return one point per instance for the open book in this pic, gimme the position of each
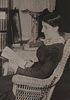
(11, 55)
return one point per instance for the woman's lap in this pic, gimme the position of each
(6, 83)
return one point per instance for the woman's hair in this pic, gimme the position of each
(55, 20)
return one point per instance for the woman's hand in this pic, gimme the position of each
(5, 68)
(29, 63)
(13, 65)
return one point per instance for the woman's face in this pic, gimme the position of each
(49, 31)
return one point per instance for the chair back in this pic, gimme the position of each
(60, 68)
(55, 77)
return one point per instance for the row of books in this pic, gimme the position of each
(3, 21)
(3, 38)
(4, 3)
(3, 24)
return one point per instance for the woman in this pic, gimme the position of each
(49, 55)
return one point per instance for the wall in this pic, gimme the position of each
(63, 8)
(25, 20)
(34, 6)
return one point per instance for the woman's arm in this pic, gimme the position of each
(51, 61)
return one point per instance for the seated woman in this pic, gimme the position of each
(49, 55)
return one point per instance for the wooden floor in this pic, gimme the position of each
(62, 90)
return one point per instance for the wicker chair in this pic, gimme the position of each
(29, 88)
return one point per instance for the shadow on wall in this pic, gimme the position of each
(62, 89)
(63, 8)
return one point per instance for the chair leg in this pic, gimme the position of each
(14, 89)
(50, 93)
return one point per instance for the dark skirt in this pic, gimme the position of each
(6, 88)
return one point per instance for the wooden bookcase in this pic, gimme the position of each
(4, 23)
(4, 27)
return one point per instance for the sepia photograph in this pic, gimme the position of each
(34, 49)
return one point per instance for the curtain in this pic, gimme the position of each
(31, 29)
(34, 5)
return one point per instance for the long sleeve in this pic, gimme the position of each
(48, 61)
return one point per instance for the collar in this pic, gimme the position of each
(55, 40)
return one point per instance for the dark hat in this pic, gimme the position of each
(53, 19)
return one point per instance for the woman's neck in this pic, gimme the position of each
(58, 39)
(54, 37)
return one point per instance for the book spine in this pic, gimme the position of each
(5, 21)
(7, 3)
(1, 4)
(0, 41)
(1, 24)
(5, 36)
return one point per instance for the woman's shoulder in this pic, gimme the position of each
(56, 50)
(58, 46)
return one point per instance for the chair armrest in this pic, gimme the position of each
(30, 81)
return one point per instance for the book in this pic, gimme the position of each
(3, 37)
(11, 55)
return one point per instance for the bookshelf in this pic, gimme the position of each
(4, 23)
(4, 27)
